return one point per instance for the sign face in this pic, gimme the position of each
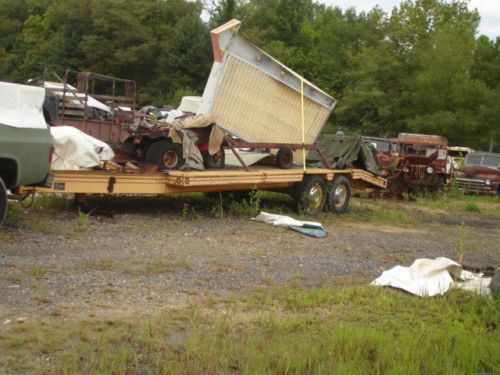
(21, 106)
(257, 98)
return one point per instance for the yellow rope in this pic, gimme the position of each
(303, 124)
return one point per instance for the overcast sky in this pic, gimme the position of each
(488, 9)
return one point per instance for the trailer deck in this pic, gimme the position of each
(103, 182)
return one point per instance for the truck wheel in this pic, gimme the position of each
(284, 158)
(215, 161)
(339, 195)
(3, 201)
(311, 194)
(168, 155)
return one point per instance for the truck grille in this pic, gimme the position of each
(472, 185)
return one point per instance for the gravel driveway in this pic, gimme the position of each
(58, 265)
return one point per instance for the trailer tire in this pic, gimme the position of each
(339, 195)
(3, 201)
(168, 155)
(310, 194)
(284, 158)
(215, 161)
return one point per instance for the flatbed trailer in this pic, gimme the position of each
(318, 185)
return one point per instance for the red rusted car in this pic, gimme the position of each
(481, 173)
(413, 161)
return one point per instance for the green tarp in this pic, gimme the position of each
(344, 151)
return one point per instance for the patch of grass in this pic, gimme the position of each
(457, 201)
(472, 207)
(99, 264)
(379, 211)
(158, 267)
(36, 270)
(13, 277)
(15, 213)
(349, 330)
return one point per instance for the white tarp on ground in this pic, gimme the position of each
(430, 277)
(285, 221)
(21, 106)
(75, 150)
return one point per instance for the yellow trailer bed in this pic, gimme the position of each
(307, 182)
(101, 182)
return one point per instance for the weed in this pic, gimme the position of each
(185, 211)
(218, 209)
(36, 270)
(81, 221)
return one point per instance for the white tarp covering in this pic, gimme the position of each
(249, 157)
(75, 150)
(21, 106)
(430, 277)
(76, 97)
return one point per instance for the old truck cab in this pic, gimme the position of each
(25, 140)
(481, 173)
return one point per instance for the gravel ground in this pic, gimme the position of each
(58, 265)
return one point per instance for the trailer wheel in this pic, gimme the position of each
(215, 161)
(3, 201)
(168, 155)
(284, 158)
(311, 194)
(339, 195)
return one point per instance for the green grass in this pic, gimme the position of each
(454, 201)
(349, 330)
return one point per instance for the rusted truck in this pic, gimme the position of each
(413, 161)
(99, 105)
(480, 173)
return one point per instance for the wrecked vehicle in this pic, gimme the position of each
(457, 155)
(177, 140)
(99, 105)
(25, 140)
(413, 161)
(384, 148)
(481, 173)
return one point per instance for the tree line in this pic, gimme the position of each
(421, 67)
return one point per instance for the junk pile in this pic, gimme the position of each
(431, 277)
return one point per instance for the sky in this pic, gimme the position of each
(489, 10)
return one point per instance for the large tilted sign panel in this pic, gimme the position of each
(256, 107)
(257, 98)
